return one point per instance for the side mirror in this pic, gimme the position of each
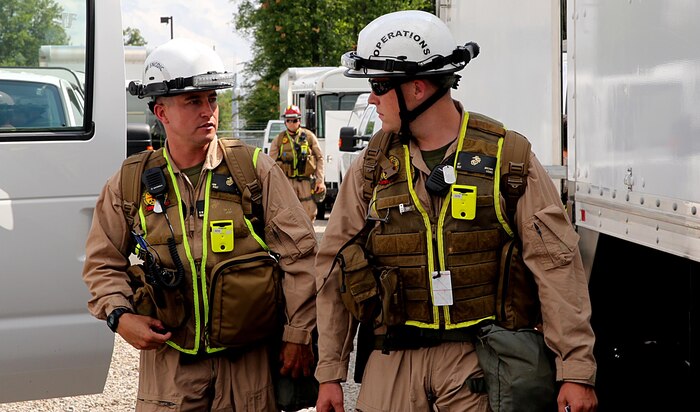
(348, 139)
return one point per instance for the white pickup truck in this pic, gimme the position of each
(51, 172)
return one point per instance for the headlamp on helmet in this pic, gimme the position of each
(392, 66)
(207, 81)
(181, 66)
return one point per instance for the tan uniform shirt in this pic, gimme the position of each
(287, 232)
(313, 145)
(558, 269)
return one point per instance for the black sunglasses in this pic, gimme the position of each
(382, 87)
(292, 120)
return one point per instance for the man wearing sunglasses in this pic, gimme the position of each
(297, 152)
(416, 254)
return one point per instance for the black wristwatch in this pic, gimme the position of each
(113, 318)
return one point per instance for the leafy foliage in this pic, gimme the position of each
(301, 33)
(25, 25)
(225, 103)
(133, 37)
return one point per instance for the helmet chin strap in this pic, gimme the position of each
(407, 116)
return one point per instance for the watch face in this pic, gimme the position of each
(113, 318)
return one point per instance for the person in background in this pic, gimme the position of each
(415, 255)
(227, 267)
(297, 152)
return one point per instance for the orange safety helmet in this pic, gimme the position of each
(292, 112)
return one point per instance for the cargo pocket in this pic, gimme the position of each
(154, 403)
(358, 286)
(287, 234)
(243, 300)
(554, 238)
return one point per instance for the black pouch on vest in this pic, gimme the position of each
(167, 305)
(358, 285)
(393, 310)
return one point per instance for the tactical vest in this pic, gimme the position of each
(411, 250)
(230, 294)
(295, 156)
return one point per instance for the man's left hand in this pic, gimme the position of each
(579, 397)
(296, 359)
(320, 187)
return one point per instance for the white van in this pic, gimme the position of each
(363, 124)
(273, 128)
(52, 169)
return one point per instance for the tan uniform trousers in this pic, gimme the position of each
(402, 381)
(171, 381)
(302, 188)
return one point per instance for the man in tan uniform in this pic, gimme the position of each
(203, 307)
(434, 240)
(298, 154)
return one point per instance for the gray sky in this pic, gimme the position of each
(207, 21)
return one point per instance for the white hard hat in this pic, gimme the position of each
(181, 66)
(407, 44)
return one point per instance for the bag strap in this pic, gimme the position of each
(375, 155)
(130, 184)
(239, 160)
(515, 160)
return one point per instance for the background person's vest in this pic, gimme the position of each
(295, 156)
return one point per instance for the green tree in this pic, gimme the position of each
(25, 25)
(301, 33)
(225, 103)
(133, 37)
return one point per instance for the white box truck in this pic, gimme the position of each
(632, 71)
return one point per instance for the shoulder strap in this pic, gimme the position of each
(375, 155)
(132, 169)
(239, 160)
(515, 160)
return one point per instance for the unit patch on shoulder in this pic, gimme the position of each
(384, 177)
(476, 163)
(149, 201)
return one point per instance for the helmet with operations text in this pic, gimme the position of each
(181, 66)
(407, 43)
(292, 112)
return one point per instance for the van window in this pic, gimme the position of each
(42, 73)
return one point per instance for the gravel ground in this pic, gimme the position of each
(120, 389)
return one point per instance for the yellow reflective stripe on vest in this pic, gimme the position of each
(441, 233)
(186, 246)
(448, 196)
(429, 238)
(497, 191)
(294, 152)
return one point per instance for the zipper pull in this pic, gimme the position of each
(537, 228)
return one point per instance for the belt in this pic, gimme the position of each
(410, 337)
